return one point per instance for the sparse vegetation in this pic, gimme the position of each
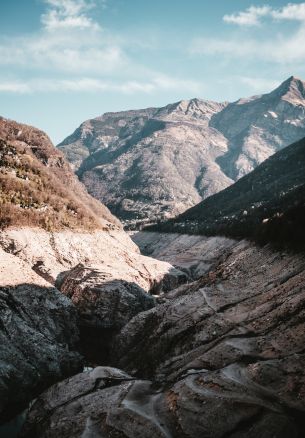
(38, 187)
(31, 195)
(267, 205)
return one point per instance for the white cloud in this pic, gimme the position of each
(53, 55)
(69, 42)
(98, 85)
(68, 14)
(292, 11)
(253, 15)
(250, 17)
(282, 48)
(80, 55)
(14, 87)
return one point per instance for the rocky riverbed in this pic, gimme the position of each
(219, 356)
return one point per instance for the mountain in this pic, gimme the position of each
(156, 163)
(268, 204)
(38, 187)
(70, 277)
(220, 355)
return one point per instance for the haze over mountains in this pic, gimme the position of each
(156, 163)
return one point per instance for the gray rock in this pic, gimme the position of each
(210, 404)
(156, 163)
(38, 333)
(221, 357)
(103, 304)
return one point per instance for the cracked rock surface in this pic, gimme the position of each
(220, 357)
(38, 336)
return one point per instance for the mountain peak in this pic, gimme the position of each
(291, 90)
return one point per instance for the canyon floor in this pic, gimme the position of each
(217, 353)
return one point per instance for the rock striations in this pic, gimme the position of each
(155, 163)
(221, 357)
(208, 342)
(62, 255)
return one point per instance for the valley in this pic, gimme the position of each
(191, 327)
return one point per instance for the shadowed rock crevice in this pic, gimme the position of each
(39, 334)
(105, 306)
(222, 357)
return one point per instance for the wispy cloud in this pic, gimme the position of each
(14, 87)
(73, 53)
(69, 42)
(292, 11)
(254, 14)
(95, 85)
(65, 14)
(282, 48)
(250, 17)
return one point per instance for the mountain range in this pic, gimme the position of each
(155, 163)
(205, 339)
(267, 205)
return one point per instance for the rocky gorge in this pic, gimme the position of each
(56, 267)
(146, 334)
(220, 356)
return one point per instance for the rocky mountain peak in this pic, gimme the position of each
(291, 90)
(156, 162)
(191, 110)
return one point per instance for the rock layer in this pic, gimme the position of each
(194, 255)
(38, 333)
(221, 357)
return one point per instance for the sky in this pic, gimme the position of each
(65, 61)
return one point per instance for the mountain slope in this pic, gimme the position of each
(66, 268)
(155, 163)
(38, 188)
(147, 163)
(259, 126)
(268, 204)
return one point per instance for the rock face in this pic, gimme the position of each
(194, 255)
(104, 307)
(156, 163)
(103, 273)
(72, 243)
(38, 333)
(221, 357)
(266, 205)
(54, 254)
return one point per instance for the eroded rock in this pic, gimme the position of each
(221, 357)
(38, 336)
(110, 403)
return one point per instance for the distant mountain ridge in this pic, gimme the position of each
(155, 163)
(267, 205)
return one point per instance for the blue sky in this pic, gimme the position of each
(64, 61)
